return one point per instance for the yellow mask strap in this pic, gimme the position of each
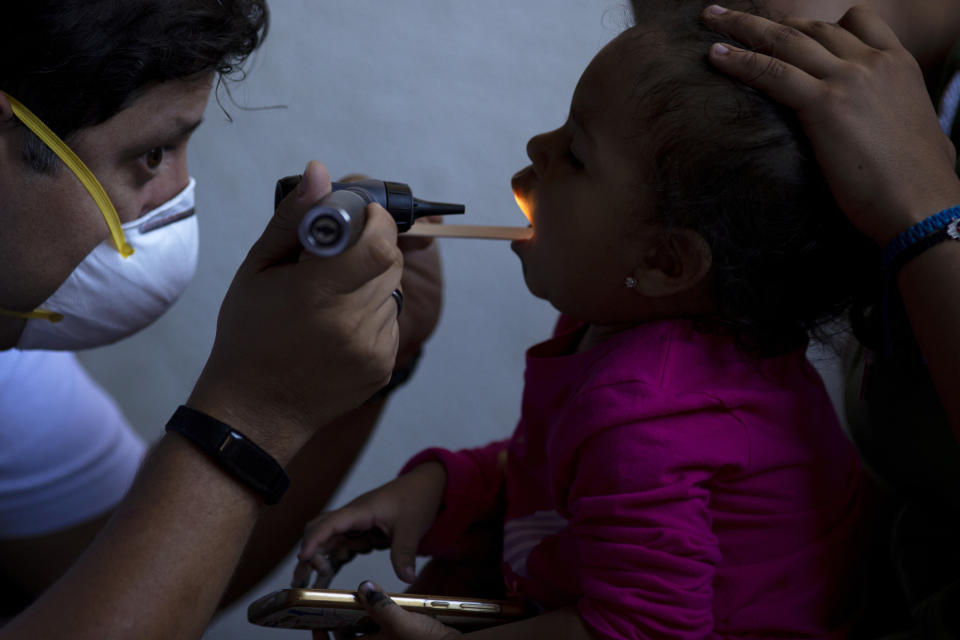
(83, 173)
(39, 314)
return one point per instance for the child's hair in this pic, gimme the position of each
(734, 166)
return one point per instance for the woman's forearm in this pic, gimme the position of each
(930, 287)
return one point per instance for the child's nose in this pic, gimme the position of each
(536, 151)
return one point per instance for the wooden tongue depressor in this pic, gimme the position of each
(469, 231)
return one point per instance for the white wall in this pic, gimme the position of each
(441, 95)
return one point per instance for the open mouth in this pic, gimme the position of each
(523, 192)
(524, 205)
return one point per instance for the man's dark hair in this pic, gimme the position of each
(76, 63)
(737, 168)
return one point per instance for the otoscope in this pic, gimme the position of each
(335, 223)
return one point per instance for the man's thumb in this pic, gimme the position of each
(280, 241)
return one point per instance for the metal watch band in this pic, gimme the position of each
(233, 451)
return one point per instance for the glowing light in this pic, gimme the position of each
(524, 206)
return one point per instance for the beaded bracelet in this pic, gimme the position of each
(920, 237)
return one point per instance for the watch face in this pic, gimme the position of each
(953, 229)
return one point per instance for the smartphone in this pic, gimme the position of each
(337, 610)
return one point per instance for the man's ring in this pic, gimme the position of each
(398, 298)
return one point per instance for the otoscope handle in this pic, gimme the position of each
(332, 225)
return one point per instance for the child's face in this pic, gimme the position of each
(582, 194)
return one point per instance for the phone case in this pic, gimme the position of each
(338, 610)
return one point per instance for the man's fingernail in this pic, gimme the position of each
(716, 10)
(302, 187)
(366, 588)
(720, 49)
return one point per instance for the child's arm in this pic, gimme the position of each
(635, 465)
(862, 100)
(473, 493)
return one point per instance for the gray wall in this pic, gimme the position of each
(441, 95)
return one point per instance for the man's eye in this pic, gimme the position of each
(154, 157)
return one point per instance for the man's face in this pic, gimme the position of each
(50, 221)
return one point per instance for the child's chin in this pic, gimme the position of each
(532, 285)
(521, 246)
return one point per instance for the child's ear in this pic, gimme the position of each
(678, 262)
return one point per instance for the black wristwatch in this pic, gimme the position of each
(233, 451)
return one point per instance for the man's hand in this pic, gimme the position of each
(861, 99)
(301, 339)
(422, 287)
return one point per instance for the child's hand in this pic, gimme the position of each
(862, 101)
(395, 515)
(397, 624)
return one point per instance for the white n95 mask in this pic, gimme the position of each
(109, 297)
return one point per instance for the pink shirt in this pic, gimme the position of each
(669, 486)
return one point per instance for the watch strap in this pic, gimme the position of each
(233, 451)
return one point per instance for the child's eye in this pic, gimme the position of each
(574, 160)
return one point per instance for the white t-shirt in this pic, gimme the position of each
(67, 453)
(949, 103)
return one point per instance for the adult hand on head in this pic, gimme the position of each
(301, 339)
(422, 287)
(861, 99)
